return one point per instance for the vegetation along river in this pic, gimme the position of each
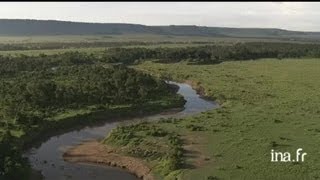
(47, 157)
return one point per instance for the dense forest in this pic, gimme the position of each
(12, 65)
(73, 87)
(36, 89)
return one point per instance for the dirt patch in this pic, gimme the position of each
(95, 152)
(193, 147)
(171, 111)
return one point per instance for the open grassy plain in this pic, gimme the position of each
(265, 104)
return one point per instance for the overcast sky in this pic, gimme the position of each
(286, 15)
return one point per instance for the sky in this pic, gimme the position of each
(301, 16)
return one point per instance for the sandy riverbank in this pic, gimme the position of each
(98, 153)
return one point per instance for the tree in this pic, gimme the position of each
(12, 164)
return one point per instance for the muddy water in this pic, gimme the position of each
(47, 157)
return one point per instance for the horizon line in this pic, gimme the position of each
(72, 21)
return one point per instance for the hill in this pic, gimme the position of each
(17, 27)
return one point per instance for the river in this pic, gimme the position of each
(47, 157)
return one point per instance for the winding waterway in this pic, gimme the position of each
(47, 157)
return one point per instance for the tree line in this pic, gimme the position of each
(211, 54)
(67, 45)
(10, 65)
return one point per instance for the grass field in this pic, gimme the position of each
(265, 104)
(126, 38)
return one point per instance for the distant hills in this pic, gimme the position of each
(52, 27)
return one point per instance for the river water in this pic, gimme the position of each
(47, 157)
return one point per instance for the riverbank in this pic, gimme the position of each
(98, 153)
(133, 141)
(95, 118)
(77, 121)
(196, 85)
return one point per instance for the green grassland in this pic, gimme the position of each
(124, 38)
(265, 104)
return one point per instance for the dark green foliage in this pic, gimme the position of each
(12, 165)
(30, 96)
(38, 92)
(12, 65)
(157, 132)
(164, 55)
(213, 54)
(176, 158)
(124, 135)
(193, 127)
